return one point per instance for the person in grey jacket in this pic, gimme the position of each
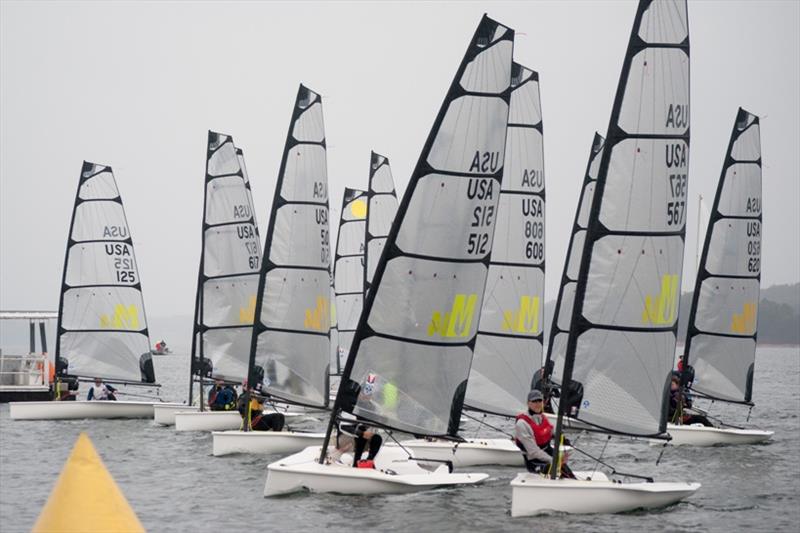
(532, 434)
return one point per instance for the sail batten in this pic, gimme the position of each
(102, 326)
(289, 355)
(721, 339)
(508, 348)
(229, 263)
(623, 317)
(428, 284)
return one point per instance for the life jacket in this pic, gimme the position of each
(99, 392)
(541, 432)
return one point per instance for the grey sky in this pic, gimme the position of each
(137, 85)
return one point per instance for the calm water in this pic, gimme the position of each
(175, 484)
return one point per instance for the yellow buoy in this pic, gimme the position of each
(86, 498)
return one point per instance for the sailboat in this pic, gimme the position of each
(721, 339)
(227, 283)
(408, 366)
(508, 348)
(622, 330)
(289, 354)
(348, 270)
(102, 327)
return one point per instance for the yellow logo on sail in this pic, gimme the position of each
(526, 318)
(248, 314)
(358, 209)
(744, 322)
(457, 321)
(125, 317)
(661, 310)
(318, 318)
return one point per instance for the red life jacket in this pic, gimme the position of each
(541, 432)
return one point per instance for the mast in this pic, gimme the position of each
(559, 329)
(289, 356)
(722, 333)
(508, 349)
(102, 325)
(381, 210)
(348, 270)
(410, 358)
(621, 343)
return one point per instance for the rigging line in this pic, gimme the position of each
(614, 471)
(487, 424)
(602, 452)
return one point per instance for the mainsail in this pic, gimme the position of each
(382, 208)
(559, 329)
(229, 263)
(508, 348)
(621, 343)
(348, 269)
(410, 359)
(290, 346)
(721, 340)
(102, 328)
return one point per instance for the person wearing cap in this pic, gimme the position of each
(532, 434)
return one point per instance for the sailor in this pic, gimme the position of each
(101, 391)
(222, 397)
(251, 407)
(352, 435)
(679, 402)
(532, 434)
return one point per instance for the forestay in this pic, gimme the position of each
(411, 355)
(508, 348)
(290, 348)
(102, 328)
(229, 263)
(562, 316)
(721, 340)
(348, 269)
(382, 202)
(621, 344)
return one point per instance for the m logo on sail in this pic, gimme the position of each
(125, 317)
(661, 310)
(744, 322)
(247, 314)
(318, 318)
(457, 321)
(526, 318)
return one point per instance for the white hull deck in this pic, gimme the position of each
(533, 494)
(699, 435)
(474, 452)
(394, 473)
(224, 420)
(74, 410)
(263, 442)
(164, 415)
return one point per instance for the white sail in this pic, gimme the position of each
(411, 355)
(290, 347)
(621, 343)
(382, 202)
(508, 348)
(559, 329)
(102, 328)
(348, 271)
(721, 340)
(229, 263)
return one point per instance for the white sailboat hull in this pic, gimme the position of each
(73, 410)
(393, 474)
(533, 494)
(474, 452)
(164, 415)
(699, 435)
(264, 442)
